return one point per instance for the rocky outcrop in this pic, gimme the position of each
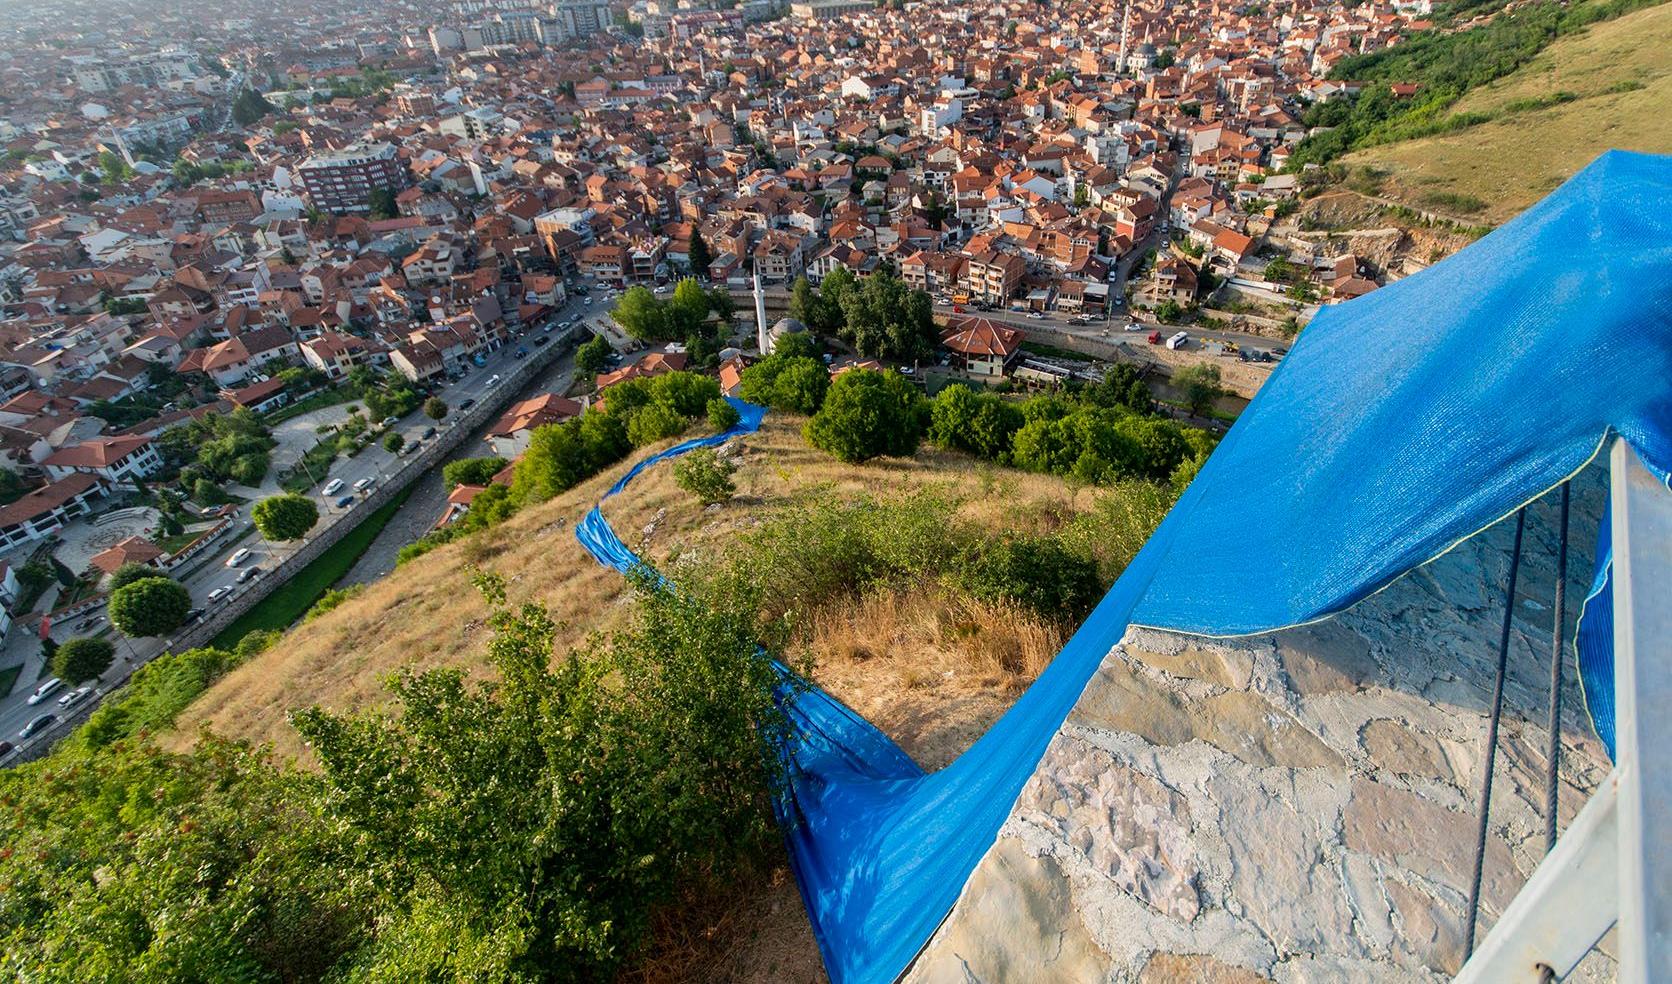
(1294, 806)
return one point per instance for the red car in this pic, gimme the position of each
(1154, 338)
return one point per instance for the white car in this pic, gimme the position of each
(493, 380)
(238, 557)
(1035, 316)
(219, 593)
(332, 487)
(1133, 326)
(362, 485)
(74, 697)
(45, 690)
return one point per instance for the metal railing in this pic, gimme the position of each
(1612, 868)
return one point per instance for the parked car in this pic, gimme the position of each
(410, 448)
(37, 726)
(238, 557)
(249, 573)
(480, 360)
(363, 484)
(6, 748)
(541, 340)
(219, 593)
(193, 615)
(1133, 326)
(389, 422)
(333, 486)
(89, 623)
(586, 300)
(345, 502)
(493, 380)
(429, 432)
(520, 352)
(466, 405)
(74, 697)
(45, 690)
(1154, 338)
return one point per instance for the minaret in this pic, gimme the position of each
(1125, 35)
(761, 340)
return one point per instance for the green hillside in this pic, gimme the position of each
(1609, 87)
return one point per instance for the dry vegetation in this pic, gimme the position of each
(932, 668)
(895, 658)
(1621, 78)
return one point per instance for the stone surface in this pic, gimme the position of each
(1315, 788)
(1017, 924)
(1417, 834)
(1194, 968)
(1120, 698)
(1126, 826)
(1325, 657)
(1392, 745)
(1431, 932)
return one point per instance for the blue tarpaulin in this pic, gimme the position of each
(1400, 424)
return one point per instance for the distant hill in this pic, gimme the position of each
(1610, 87)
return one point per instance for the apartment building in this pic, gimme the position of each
(343, 180)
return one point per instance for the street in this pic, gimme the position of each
(201, 576)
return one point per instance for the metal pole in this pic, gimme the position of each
(1553, 753)
(1494, 716)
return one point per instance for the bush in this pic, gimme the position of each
(157, 692)
(704, 475)
(464, 799)
(1038, 572)
(331, 599)
(722, 416)
(793, 384)
(393, 442)
(470, 471)
(868, 414)
(435, 408)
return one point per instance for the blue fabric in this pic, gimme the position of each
(1400, 424)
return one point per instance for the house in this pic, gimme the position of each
(652, 364)
(231, 361)
(982, 347)
(994, 276)
(1173, 280)
(509, 435)
(269, 394)
(335, 353)
(114, 459)
(133, 550)
(44, 511)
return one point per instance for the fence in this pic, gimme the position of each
(212, 624)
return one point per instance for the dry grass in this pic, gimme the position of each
(426, 613)
(1512, 162)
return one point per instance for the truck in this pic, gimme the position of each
(1178, 341)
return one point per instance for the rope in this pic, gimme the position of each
(1553, 755)
(1492, 737)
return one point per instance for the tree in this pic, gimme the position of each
(79, 660)
(593, 355)
(700, 255)
(641, 315)
(152, 606)
(285, 517)
(470, 471)
(249, 107)
(885, 319)
(688, 309)
(795, 384)
(654, 422)
(129, 573)
(115, 168)
(722, 416)
(382, 204)
(393, 442)
(867, 414)
(1200, 386)
(1168, 312)
(435, 408)
(804, 303)
(704, 475)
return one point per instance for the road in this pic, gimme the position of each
(205, 575)
(1117, 327)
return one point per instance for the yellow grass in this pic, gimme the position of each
(427, 614)
(1512, 162)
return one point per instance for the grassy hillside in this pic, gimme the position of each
(1610, 87)
(896, 659)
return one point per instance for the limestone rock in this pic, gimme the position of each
(1326, 657)
(1016, 922)
(1416, 833)
(1404, 750)
(1433, 933)
(1175, 968)
(1127, 826)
